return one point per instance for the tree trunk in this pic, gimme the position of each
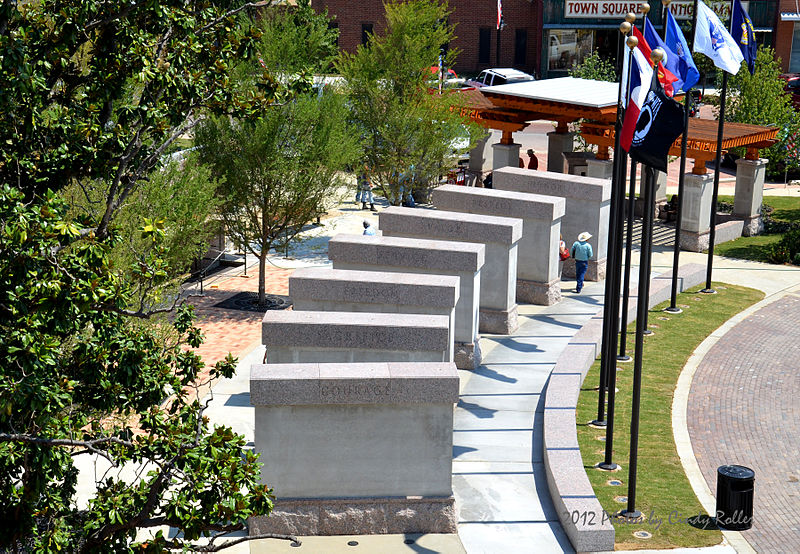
(262, 278)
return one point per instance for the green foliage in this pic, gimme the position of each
(787, 250)
(80, 378)
(98, 91)
(761, 100)
(277, 172)
(409, 133)
(180, 194)
(297, 41)
(594, 67)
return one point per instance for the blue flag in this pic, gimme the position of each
(671, 60)
(743, 33)
(676, 42)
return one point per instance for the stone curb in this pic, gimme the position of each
(585, 522)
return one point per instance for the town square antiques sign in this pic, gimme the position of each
(616, 9)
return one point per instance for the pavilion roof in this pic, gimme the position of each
(567, 99)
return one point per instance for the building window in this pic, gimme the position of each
(484, 43)
(794, 57)
(520, 46)
(334, 26)
(366, 31)
(568, 47)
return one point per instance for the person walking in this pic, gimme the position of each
(533, 161)
(563, 255)
(365, 190)
(582, 252)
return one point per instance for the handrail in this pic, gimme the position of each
(204, 271)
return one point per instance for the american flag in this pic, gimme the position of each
(499, 13)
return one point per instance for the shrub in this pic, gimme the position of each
(787, 249)
(760, 99)
(594, 67)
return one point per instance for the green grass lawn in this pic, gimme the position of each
(663, 491)
(786, 208)
(748, 248)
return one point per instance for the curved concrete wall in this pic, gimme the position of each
(566, 477)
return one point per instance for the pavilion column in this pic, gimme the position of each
(506, 152)
(558, 142)
(480, 157)
(661, 188)
(602, 169)
(697, 192)
(601, 166)
(750, 193)
(660, 197)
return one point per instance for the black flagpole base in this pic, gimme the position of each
(624, 358)
(630, 516)
(598, 423)
(648, 332)
(708, 291)
(674, 310)
(610, 466)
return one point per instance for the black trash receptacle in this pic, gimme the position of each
(735, 497)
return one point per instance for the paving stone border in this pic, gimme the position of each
(579, 511)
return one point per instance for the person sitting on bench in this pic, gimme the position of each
(669, 211)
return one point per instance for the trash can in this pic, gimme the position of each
(735, 497)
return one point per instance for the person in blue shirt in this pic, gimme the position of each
(582, 252)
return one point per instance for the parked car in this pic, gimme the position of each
(792, 86)
(499, 76)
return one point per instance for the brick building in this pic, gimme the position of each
(546, 37)
(787, 33)
(476, 30)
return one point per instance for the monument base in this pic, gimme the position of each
(698, 242)
(595, 272)
(543, 294)
(752, 226)
(467, 355)
(498, 322)
(357, 516)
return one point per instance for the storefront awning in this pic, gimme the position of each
(790, 16)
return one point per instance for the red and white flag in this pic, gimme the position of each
(641, 75)
(499, 13)
(665, 76)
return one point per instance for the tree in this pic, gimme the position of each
(277, 172)
(94, 95)
(409, 134)
(100, 91)
(80, 378)
(594, 67)
(180, 197)
(760, 99)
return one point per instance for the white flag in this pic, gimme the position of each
(712, 39)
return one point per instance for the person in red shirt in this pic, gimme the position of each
(533, 162)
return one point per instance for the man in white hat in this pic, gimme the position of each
(581, 252)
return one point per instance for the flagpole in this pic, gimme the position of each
(676, 252)
(608, 345)
(645, 11)
(642, 305)
(499, 28)
(717, 160)
(613, 273)
(626, 284)
(712, 233)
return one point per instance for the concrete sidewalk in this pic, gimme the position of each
(498, 477)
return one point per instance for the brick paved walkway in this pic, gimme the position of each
(234, 331)
(744, 409)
